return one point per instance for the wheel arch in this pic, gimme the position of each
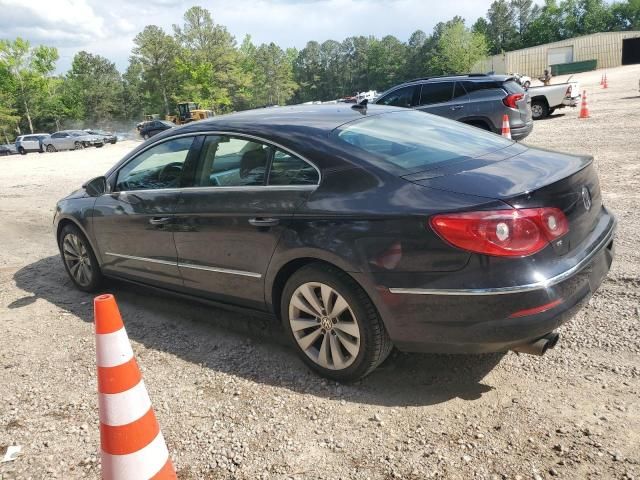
(478, 121)
(64, 221)
(276, 282)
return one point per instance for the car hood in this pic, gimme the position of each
(503, 174)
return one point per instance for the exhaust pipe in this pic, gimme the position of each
(540, 346)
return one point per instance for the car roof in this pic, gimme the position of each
(471, 77)
(297, 118)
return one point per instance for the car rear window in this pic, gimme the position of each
(512, 86)
(417, 141)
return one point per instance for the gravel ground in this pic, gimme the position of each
(235, 402)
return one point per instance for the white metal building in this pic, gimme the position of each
(608, 49)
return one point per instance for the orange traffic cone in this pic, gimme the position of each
(601, 80)
(605, 84)
(584, 110)
(132, 445)
(506, 129)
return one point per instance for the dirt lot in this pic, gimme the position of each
(234, 401)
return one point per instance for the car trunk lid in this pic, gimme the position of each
(528, 178)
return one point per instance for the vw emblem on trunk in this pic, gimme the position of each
(586, 198)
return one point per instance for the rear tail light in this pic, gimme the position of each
(502, 233)
(535, 310)
(511, 100)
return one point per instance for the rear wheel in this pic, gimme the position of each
(527, 84)
(51, 148)
(79, 260)
(333, 324)
(22, 151)
(539, 109)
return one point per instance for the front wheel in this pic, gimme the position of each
(79, 260)
(527, 84)
(51, 148)
(333, 325)
(78, 146)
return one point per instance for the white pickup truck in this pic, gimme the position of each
(545, 100)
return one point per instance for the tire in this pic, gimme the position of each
(51, 148)
(78, 146)
(146, 136)
(99, 145)
(355, 339)
(84, 273)
(539, 109)
(22, 151)
(551, 110)
(527, 84)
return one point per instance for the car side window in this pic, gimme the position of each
(458, 91)
(56, 135)
(437, 92)
(227, 161)
(401, 97)
(287, 169)
(159, 167)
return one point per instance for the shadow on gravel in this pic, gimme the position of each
(254, 348)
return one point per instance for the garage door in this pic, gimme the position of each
(631, 51)
(560, 55)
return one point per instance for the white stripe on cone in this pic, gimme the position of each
(124, 407)
(113, 349)
(142, 464)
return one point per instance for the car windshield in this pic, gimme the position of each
(77, 133)
(167, 123)
(416, 141)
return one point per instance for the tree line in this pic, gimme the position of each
(199, 60)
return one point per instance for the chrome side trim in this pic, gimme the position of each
(141, 259)
(247, 188)
(186, 265)
(220, 270)
(549, 282)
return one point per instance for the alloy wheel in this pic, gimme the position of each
(324, 325)
(51, 148)
(76, 257)
(536, 110)
(78, 146)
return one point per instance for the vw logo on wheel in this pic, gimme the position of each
(586, 198)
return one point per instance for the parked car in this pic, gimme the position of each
(149, 129)
(7, 149)
(545, 100)
(108, 137)
(361, 228)
(523, 80)
(30, 143)
(71, 140)
(477, 99)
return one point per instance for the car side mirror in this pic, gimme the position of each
(96, 186)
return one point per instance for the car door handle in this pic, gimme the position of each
(264, 222)
(457, 107)
(159, 220)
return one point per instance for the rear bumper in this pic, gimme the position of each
(458, 320)
(518, 133)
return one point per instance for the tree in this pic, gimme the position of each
(28, 74)
(155, 53)
(273, 79)
(458, 49)
(546, 26)
(501, 29)
(95, 89)
(626, 15)
(521, 10)
(208, 60)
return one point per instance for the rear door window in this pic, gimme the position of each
(287, 169)
(227, 161)
(401, 97)
(437, 92)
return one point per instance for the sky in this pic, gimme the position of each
(107, 27)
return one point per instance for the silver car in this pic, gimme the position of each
(71, 140)
(30, 143)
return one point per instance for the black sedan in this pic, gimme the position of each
(360, 228)
(153, 127)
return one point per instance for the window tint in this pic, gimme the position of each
(402, 97)
(231, 162)
(415, 142)
(159, 167)
(458, 91)
(512, 87)
(287, 169)
(59, 135)
(437, 92)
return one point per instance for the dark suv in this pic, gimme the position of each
(477, 99)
